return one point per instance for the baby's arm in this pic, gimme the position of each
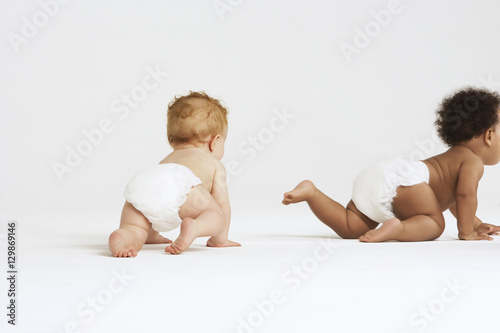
(221, 196)
(219, 191)
(479, 226)
(453, 211)
(465, 208)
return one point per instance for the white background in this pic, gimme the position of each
(264, 55)
(258, 57)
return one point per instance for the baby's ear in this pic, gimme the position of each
(213, 141)
(488, 137)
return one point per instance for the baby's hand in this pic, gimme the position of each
(475, 236)
(486, 228)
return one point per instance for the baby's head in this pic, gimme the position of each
(467, 114)
(197, 119)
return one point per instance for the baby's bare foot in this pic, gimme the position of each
(300, 193)
(387, 231)
(227, 243)
(186, 237)
(154, 237)
(121, 243)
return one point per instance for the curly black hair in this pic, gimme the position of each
(467, 113)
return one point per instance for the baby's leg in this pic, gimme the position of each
(346, 222)
(132, 234)
(419, 217)
(201, 216)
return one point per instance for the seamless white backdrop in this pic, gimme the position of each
(73, 73)
(262, 56)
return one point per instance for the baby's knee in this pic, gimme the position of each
(440, 230)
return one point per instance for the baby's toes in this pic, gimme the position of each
(170, 249)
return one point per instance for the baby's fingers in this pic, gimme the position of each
(496, 230)
(484, 237)
(492, 229)
(489, 230)
(476, 236)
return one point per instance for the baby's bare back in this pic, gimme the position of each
(443, 173)
(201, 163)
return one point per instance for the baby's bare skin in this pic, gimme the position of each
(454, 177)
(203, 165)
(453, 181)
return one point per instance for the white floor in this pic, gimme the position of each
(291, 275)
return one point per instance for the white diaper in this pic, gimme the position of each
(158, 192)
(375, 187)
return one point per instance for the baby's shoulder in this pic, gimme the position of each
(462, 155)
(195, 159)
(211, 166)
(461, 159)
(450, 162)
(206, 159)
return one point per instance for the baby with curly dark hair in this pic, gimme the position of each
(404, 200)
